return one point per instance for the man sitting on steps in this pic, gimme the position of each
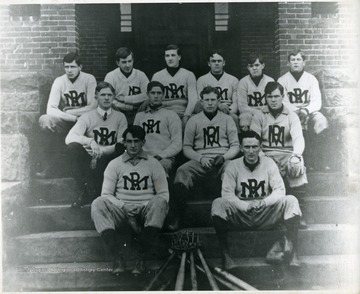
(253, 197)
(135, 193)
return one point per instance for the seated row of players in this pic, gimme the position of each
(210, 142)
(73, 93)
(135, 195)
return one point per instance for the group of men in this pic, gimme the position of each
(125, 135)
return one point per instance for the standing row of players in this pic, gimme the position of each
(210, 141)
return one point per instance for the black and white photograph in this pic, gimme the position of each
(180, 146)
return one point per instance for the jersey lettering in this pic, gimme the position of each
(211, 136)
(276, 135)
(251, 189)
(134, 90)
(73, 99)
(223, 94)
(172, 91)
(151, 125)
(256, 99)
(134, 181)
(104, 137)
(297, 96)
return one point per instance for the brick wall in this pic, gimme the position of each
(38, 43)
(331, 44)
(32, 48)
(328, 40)
(253, 27)
(99, 27)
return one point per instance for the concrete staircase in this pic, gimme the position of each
(60, 250)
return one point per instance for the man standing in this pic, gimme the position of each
(72, 95)
(281, 135)
(250, 92)
(210, 142)
(302, 95)
(180, 85)
(162, 127)
(225, 83)
(135, 193)
(129, 83)
(94, 141)
(253, 197)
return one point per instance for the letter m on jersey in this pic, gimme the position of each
(133, 90)
(256, 99)
(104, 137)
(276, 136)
(133, 182)
(175, 91)
(211, 136)
(223, 94)
(151, 126)
(253, 189)
(298, 95)
(75, 99)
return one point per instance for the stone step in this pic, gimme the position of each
(84, 246)
(316, 209)
(319, 272)
(64, 190)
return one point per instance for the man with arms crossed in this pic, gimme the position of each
(162, 127)
(253, 197)
(225, 83)
(129, 83)
(180, 85)
(250, 92)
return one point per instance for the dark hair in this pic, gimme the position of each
(153, 84)
(173, 47)
(216, 51)
(249, 134)
(123, 52)
(296, 52)
(104, 85)
(72, 56)
(208, 90)
(253, 56)
(135, 131)
(272, 86)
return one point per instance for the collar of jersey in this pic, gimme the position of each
(126, 157)
(148, 109)
(101, 111)
(266, 109)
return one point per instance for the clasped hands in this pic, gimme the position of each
(255, 207)
(209, 162)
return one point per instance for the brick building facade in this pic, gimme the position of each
(34, 38)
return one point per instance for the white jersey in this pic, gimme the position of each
(304, 93)
(92, 126)
(264, 182)
(251, 96)
(281, 133)
(163, 131)
(180, 90)
(227, 86)
(129, 92)
(71, 99)
(211, 137)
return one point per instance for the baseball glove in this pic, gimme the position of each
(295, 166)
(276, 253)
